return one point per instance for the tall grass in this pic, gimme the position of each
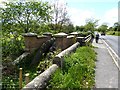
(78, 70)
(116, 33)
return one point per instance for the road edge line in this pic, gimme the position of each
(110, 50)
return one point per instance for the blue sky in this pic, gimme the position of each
(106, 11)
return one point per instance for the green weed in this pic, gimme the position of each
(78, 70)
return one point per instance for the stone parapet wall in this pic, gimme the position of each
(70, 40)
(62, 40)
(41, 81)
(32, 41)
(59, 59)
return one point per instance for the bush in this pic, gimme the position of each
(84, 34)
(78, 71)
(12, 46)
(116, 33)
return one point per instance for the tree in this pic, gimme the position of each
(68, 28)
(116, 26)
(18, 18)
(103, 28)
(110, 29)
(80, 28)
(77, 28)
(25, 16)
(90, 25)
(60, 15)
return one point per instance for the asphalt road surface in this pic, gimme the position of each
(106, 72)
(113, 42)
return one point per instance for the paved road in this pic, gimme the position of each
(113, 42)
(106, 72)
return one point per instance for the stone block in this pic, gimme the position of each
(61, 40)
(59, 59)
(32, 41)
(75, 34)
(80, 40)
(70, 40)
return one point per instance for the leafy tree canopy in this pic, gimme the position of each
(103, 28)
(91, 24)
(24, 17)
(116, 26)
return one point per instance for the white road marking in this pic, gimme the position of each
(111, 52)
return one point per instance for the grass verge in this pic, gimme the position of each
(116, 33)
(78, 70)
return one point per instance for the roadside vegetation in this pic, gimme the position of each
(78, 70)
(116, 33)
(114, 30)
(17, 19)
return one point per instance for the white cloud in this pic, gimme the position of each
(62, 1)
(2, 3)
(110, 17)
(90, 1)
(78, 16)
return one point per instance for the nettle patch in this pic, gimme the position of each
(78, 70)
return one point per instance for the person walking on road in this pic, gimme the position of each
(97, 37)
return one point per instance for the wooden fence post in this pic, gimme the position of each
(20, 78)
(26, 78)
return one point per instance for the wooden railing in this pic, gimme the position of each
(84, 40)
(40, 82)
(87, 38)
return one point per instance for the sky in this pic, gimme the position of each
(106, 11)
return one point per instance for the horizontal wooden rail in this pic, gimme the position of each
(20, 58)
(40, 82)
(88, 38)
(59, 59)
